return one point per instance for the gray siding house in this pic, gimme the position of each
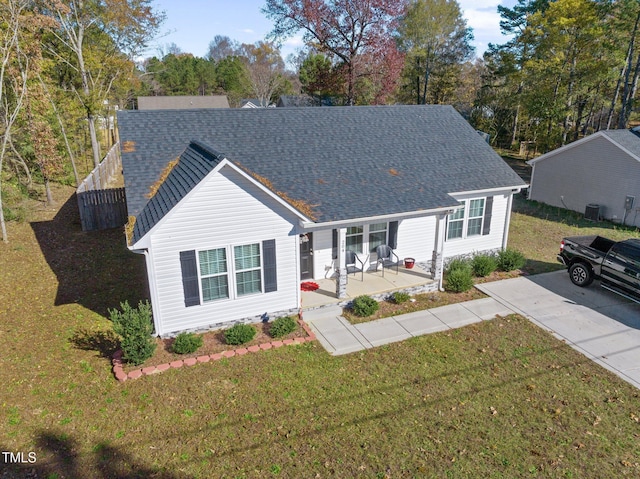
(601, 170)
(232, 209)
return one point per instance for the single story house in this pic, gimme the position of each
(598, 175)
(234, 208)
(181, 102)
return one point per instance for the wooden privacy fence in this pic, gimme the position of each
(102, 207)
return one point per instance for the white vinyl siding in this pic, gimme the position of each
(224, 211)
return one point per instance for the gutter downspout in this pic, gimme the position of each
(507, 222)
(152, 290)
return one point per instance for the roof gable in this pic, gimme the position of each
(348, 162)
(627, 140)
(177, 179)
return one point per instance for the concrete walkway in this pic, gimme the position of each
(339, 336)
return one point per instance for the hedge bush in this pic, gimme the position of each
(458, 263)
(459, 280)
(283, 326)
(364, 306)
(239, 334)
(400, 297)
(187, 343)
(134, 326)
(510, 259)
(484, 264)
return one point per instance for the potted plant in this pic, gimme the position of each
(409, 262)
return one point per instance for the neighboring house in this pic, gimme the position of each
(254, 103)
(182, 102)
(286, 101)
(598, 172)
(233, 208)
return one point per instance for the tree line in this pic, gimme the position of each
(568, 69)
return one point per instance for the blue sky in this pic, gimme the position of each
(192, 24)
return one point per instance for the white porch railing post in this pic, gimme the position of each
(341, 269)
(437, 259)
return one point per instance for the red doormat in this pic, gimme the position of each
(309, 286)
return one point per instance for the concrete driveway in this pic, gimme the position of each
(601, 325)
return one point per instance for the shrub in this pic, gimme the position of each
(459, 280)
(510, 259)
(283, 326)
(399, 297)
(458, 263)
(484, 264)
(239, 334)
(186, 343)
(134, 327)
(364, 306)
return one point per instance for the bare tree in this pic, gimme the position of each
(13, 79)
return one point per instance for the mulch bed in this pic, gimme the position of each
(214, 347)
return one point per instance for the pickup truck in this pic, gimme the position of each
(616, 264)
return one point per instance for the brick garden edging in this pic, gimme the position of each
(121, 376)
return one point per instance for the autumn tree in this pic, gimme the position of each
(222, 47)
(318, 76)
(355, 33)
(81, 39)
(265, 71)
(437, 42)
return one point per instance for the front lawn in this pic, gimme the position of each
(500, 398)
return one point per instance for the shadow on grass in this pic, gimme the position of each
(533, 266)
(104, 342)
(58, 456)
(94, 269)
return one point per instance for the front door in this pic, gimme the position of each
(306, 256)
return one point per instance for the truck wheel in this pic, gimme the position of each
(580, 274)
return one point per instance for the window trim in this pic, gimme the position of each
(466, 218)
(260, 269)
(201, 276)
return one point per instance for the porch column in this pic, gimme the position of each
(437, 258)
(341, 270)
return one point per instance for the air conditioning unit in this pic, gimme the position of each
(592, 212)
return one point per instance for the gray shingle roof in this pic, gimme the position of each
(195, 163)
(351, 162)
(628, 139)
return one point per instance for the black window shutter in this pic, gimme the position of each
(190, 278)
(393, 234)
(334, 245)
(269, 265)
(488, 208)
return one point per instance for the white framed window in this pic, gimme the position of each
(355, 238)
(377, 235)
(248, 269)
(214, 276)
(455, 224)
(468, 220)
(476, 216)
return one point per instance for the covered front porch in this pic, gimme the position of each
(372, 283)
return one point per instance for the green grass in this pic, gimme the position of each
(501, 398)
(537, 229)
